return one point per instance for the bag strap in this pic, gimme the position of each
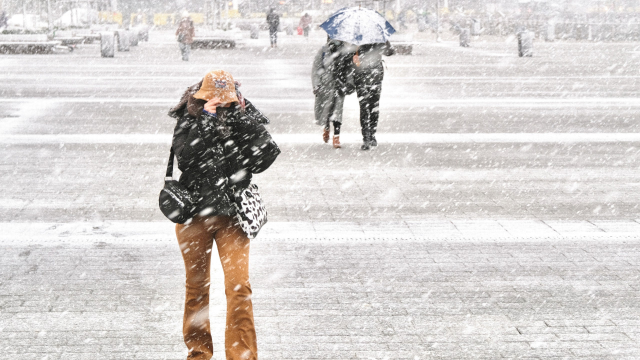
(169, 174)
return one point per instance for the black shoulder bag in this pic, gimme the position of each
(176, 203)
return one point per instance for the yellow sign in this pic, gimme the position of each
(163, 19)
(231, 14)
(110, 17)
(136, 21)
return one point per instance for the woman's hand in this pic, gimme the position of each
(214, 103)
(211, 105)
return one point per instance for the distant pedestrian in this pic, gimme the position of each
(332, 80)
(402, 21)
(305, 24)
(369, 72)
(185, 34)
(3, 19)
(219, 141)
(273, 20)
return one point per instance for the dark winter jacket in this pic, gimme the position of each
(371, 69)
(273, 19)
(330, 85)
(217, 154)
(343, 70)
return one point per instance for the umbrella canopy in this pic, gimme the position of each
(358, 26)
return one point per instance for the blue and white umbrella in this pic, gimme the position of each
(358, 26)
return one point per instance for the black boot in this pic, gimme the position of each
(366, 139)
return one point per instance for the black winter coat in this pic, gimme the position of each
(218, 154)
(343, 69)
(371, 70)
(273, 19)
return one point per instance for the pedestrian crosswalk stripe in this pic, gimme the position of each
(312, 138)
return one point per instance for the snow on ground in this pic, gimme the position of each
(498, 218)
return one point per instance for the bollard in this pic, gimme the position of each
(134, 37)
(551, 32)
(143, 33)
(464, 37)
(422, 25)
(107, 44)
(254, 31)
(525, 44)
(476, 27)
(123, 40)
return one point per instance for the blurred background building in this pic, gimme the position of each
(161, 12)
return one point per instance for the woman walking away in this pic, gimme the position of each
(185, 34)
(305, 24)
(332, 80)
(219, 141)
(369, 73)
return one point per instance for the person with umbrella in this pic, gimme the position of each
(370, 32)
(332, 80)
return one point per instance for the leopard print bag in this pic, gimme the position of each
(250, 211)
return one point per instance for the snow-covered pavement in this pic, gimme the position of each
(498, 218)
(326, 299)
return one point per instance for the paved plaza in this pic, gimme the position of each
(498, 218)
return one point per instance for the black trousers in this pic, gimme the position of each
(369, 99)
(273, 36)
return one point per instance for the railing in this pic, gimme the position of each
(580, 31)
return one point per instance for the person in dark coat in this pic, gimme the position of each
(219, 141)
(273, 20)
(332, 80)
(185, 34)
(369, 72)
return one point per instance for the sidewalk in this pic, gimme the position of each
(316, 299)
(498, 217)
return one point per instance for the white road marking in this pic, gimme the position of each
(17, 76)
(25, 111)
(388, 101)
(430, 229)
(196, 78)
(307, 138)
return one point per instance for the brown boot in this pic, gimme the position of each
(325, 135)
(336, 142)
